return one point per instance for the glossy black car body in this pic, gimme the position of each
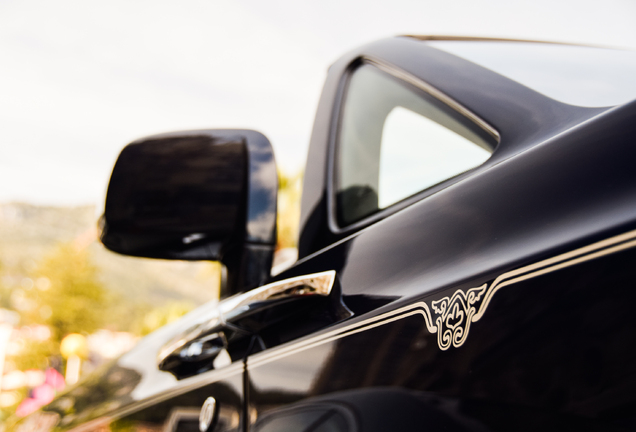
(500, 299)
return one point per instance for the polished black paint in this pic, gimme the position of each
(563, 193)
(375, 409)
(176, 196)
(522, 117)
(561, 178)
(196, 195)
(552, 353)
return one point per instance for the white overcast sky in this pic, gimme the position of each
(79, 79)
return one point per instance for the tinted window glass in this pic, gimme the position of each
(395, 141)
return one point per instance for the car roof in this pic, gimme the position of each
(574, 74)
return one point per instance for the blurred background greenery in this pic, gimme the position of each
(67, 305)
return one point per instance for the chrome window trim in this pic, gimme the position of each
(437, 94)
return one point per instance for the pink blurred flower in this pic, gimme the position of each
(42, 394)
(54, 378)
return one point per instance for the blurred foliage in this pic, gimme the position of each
(34, 354)
(147, 319)
(70, 297)
(161, 316)
(125, 425)
(65, 295)
(211, 272)
(290, 186)
(28, 233)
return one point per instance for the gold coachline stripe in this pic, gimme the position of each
(494, 288)
(463, 307)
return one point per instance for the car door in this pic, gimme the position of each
(472, 289)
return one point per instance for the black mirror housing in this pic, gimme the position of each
(196, 195)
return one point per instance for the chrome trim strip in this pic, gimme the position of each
(437, 94)
(471, 304)
(313, 284)
(235, 307)
(426, 38)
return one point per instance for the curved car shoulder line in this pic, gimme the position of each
(469, 305)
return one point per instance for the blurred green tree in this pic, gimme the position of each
(161, 316)
(34, 354)
(65, 294)
(289, 189)
(69, 298)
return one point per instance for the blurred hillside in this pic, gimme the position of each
(28, 233)
(67, 305)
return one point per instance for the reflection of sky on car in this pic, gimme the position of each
(296, 375)
(584, 76)
(81, 80)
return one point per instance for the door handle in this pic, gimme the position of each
(208, 337)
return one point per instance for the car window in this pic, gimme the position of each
(396, 140)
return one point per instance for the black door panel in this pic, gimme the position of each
(551, 351)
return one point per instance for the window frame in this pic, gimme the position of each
(417, 84)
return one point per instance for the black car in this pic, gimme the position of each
(467, 255)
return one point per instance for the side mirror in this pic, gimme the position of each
(196, 195)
